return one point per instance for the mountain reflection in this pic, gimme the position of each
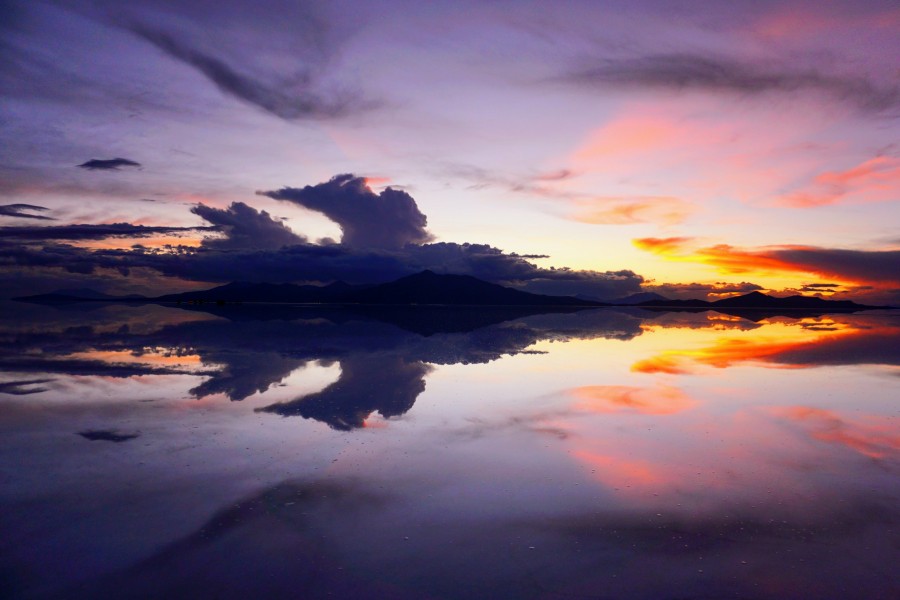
(385, 355)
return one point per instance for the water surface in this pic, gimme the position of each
(152, 451)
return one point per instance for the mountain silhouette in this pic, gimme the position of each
(428, 287)
(760, 301)
(265, 292)
(425, 288)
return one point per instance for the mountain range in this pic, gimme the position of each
(758, 300)
(431, 289)
(425, 288)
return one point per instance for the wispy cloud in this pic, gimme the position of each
(686, 71)
(876, 179)
(22, 211)
(293, 98)
(92, 232)
(665, 210)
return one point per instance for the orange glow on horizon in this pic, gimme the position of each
(766, 262)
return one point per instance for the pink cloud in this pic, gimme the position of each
(874, 180)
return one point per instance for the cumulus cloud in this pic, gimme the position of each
(22, 211)
(246, 228)
(325, 263)
(390, 219)
(291, 98)
(111, 164)
(384, 237)
(684, 71)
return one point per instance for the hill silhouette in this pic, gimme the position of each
(425, 288)
(760, 301)
(428, 287)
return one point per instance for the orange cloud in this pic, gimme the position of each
(625, 211)
(878, 267)
(626, 135)
(874, 441)
(660, 400)
(875, 180)
(664, 246)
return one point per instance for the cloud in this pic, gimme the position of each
(878, 267)
(584, 207)
(631, 210)
(290, 99)
(246, 228)
(390, 219)
(91, 232)
(326, 263)
(112, 164)
(384, 237)
(701, 291)
(684, 71)
(107, 436)
(823, 285)
(19, 210)
(873, 180)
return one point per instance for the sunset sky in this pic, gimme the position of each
(695, 149)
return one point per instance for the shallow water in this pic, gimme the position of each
(155, 452)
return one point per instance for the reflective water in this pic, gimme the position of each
(164, 452)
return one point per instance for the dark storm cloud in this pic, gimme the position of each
(91, 232)
(290, 99)
(19, 211)
(856, 265)
(383, 240)
(238, 257)
(245, 227)
(711, 73)
(390, 219)
(112, 164)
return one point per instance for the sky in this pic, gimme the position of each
(693, 149)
